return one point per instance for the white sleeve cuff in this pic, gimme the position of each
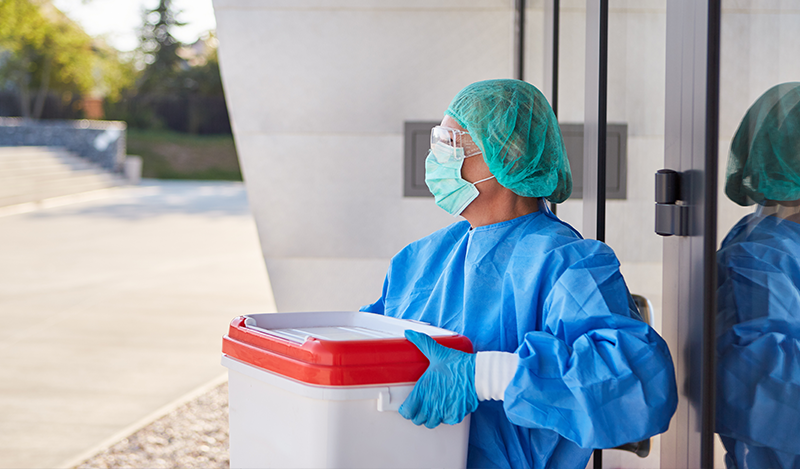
(493, 372)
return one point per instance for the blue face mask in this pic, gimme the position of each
(443, 176)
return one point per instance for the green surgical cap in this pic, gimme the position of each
(764, 162)
(514, 126)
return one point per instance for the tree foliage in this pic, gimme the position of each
(202, 76)
(159, 48)
(42, 51)
(179, 87)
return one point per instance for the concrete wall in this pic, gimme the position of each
(318, 92)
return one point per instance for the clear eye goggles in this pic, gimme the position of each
(454, 138)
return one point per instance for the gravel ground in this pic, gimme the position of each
(195, 435)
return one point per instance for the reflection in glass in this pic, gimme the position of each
(758, 323)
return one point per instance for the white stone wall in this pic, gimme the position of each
(318, 92)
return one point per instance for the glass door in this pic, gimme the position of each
(621, 115)
(729, 289)
(686, 214)
(694, 84)
(758, 236)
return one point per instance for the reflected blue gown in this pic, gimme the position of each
(591, 373)
(758, 329)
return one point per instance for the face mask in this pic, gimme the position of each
(443, 177)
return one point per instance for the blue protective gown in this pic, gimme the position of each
(591, 373)
(758, 328)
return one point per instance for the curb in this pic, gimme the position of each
(135, 427)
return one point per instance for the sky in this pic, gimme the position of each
(119, 20)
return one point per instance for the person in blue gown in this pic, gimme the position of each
(564, 363)
(758, 321)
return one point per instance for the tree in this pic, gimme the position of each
(159, 48)
(179, 87)
(43, 51)
(201, 76)
(113, 74)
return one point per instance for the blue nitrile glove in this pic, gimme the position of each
(446, 391)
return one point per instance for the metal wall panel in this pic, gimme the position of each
(417, 142)
(616, 158)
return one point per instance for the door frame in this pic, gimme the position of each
(689, 262)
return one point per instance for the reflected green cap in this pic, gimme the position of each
(764, 162)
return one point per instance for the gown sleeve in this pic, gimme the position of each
(594, 373)
(758, 398)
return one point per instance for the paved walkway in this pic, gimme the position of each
(113, 308)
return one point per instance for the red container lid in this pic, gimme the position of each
(334, 348)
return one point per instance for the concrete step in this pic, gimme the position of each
(25, 185)
(31, 174)
(43, 163)
(60, 159)
(76, 177)
(11, 154)
(17, 151)
(50, 174)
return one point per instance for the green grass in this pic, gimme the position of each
(174, 155)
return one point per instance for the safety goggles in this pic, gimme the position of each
(456, 139)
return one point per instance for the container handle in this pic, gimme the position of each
(390, 399)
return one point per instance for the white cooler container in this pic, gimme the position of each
(321, 390)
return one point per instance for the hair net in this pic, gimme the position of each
(764, 162)
(514, 126)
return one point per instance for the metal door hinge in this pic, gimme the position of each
(672, 216)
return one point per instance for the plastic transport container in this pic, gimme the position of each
(321, 390)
